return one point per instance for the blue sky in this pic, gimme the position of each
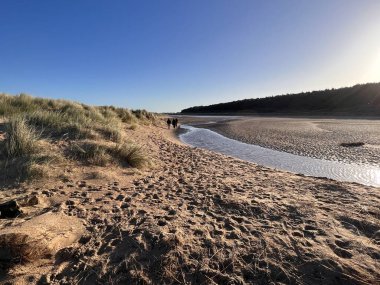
(171, 54)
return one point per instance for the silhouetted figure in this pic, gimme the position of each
(168, 122)
(173, 123)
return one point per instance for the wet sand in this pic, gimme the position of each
(198, 217)
(318, 138)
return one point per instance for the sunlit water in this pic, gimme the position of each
(204, 138)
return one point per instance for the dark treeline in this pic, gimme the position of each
(362, 99)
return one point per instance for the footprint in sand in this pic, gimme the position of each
(343, 243)
(339, 251)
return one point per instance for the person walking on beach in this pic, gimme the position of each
(168, 122)
(173, 123)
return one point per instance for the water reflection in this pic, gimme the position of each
(204, 138)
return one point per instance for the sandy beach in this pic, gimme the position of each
(318, 138)
(190, 142)
(194, 217)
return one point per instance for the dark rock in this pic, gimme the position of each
(9, 209)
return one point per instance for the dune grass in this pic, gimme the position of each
(96, 153)
(112, 132)
(95, 135)
(21, 155)
(71, 119)
(21, 140)
(130, 154)
(90, 152)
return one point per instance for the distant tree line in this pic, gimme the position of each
(361, 99)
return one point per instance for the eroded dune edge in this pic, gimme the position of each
(191, 217)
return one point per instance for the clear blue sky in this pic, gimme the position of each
(171, 54)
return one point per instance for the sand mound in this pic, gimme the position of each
(39, 237)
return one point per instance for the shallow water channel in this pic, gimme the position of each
(204, 138)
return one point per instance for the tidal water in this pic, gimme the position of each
(207, 139)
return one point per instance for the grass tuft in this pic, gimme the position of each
(21, 139)
(111, 132)
(132, 155)
(126, 115)
(90, 152)
(144, 115)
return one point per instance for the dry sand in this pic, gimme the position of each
(199, 217)
(319, 138)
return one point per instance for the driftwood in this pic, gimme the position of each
(9, 209)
